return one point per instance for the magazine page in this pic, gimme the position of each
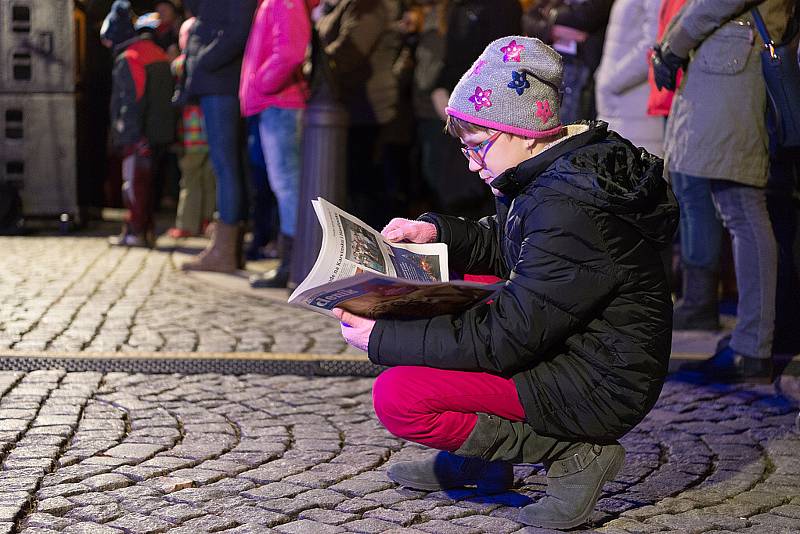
(378, 297)
(351, 247)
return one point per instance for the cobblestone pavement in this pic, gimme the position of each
(94, 453)
(78, 294)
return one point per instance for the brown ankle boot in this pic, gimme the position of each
(220, 255)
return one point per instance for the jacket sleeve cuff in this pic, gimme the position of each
(434, 220)
(397, 343)
(680, 42)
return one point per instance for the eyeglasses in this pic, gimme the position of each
(474, 152)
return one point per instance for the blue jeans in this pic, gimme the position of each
(744, 213)
(281, 131)
(700, 229)
(221, 116)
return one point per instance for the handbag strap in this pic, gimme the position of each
(769, 44)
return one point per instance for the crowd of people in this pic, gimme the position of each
(233, 79)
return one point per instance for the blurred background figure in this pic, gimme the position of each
(621, 79)
(142, 118)
(362, 43)
(468, 27)
(167, 33)
(197, 198)
(576, 29)
(273, 88)
(213, 66)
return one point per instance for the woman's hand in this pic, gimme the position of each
(355, 330)
(407, 230)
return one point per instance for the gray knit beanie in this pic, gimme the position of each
(512, 87)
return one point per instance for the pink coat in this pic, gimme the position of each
(276, 47)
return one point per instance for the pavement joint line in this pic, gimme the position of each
(164, 355)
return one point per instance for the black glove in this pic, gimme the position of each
(665, 67)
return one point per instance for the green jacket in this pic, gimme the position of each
(716, 127)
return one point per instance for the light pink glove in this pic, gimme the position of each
(355, 329)
(412, 231)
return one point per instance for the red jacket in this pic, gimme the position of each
(276, 48)
(660, 100)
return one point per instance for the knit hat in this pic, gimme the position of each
(512, 87)
(147, 22)
(117, 26)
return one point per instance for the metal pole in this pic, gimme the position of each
(323, 175)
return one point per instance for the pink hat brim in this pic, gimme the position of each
(502, 127)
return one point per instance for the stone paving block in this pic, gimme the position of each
(356, 506)
(368, 526)
(330, 517)
(446, 513)
(169, 484)
(305, 526)
(788, 510)
(254, 514)
(90, 528)
(108, 481)
(274, 490)
(98, 513)
(285, 505)
(178, 513)
(138, 451)
(391, 516)
(488, 524)
(62, 490)
(40, 520)
(6, 527)
(140, 524)
(55, 506)
(322, 498)
(210, 523)
(445, 527)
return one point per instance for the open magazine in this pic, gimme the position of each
(361, 272)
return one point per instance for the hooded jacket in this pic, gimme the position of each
(583, 323)
(276, 48)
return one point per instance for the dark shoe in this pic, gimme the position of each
(220, 254)
(730, 367)
(445, 470)
(699, 307)
(277, 278)
(270, 279)
(574, 484)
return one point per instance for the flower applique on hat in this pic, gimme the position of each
(513, 87)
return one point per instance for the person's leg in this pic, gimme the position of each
(221, 116)
(209, 204)
(281, 131)
(190, 199)
(480, 418)
(137, 187)
(263, 201)
(744, 212)
(700, 238)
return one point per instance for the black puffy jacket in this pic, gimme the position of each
(584, 321)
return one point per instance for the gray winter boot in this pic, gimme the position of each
(698, 308)
(484, 459)
(445, 470)
(574, 482)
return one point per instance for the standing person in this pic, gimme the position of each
(362, 43)
(621, 79)
(700, 229)
(167, 33)
(197, 198)
(571, 353)
(213, 66)
(142, 119)
(273, 88)
(716, 131)
(576, 28)
(470, 26)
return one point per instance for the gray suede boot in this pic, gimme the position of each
(483, 460)
(574, 482)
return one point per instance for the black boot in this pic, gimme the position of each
(730, 367)
(698, 309)
(574, 482)
(277, 278)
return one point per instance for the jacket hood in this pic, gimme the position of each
(598, 167)
(118, 26)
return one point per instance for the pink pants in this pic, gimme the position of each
(439, 408)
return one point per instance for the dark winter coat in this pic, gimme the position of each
(216, 46)
(142, 85)
(584, 321)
